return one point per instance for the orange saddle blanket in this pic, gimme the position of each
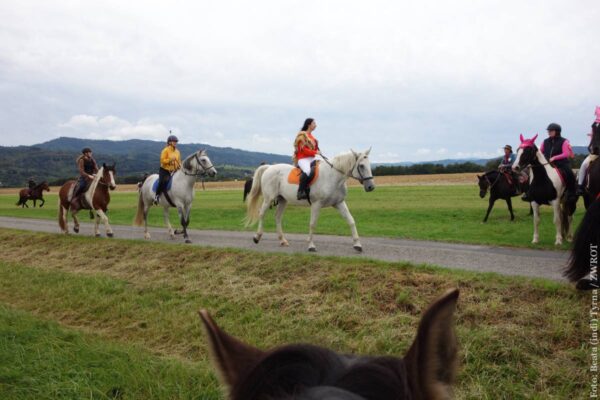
(294, 176)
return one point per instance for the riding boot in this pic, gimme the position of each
(580, 190)
(302, 187)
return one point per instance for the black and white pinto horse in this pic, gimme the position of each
(584, 259)
(545, 187)
(500, 188)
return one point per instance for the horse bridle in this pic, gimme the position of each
(204, 169)
(356, 165)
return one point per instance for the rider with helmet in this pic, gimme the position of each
(594, 153)
(306, 151)
(557, 151)
(170, 161)
(87, 170)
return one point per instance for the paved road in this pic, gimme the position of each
(503, 260)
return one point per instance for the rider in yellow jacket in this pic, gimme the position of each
(170, 161)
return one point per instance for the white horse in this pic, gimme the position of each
(545, 187)
(271, 182)
(181, 192)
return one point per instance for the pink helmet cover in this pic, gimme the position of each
(597, 114)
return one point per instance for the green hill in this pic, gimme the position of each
(54, 161)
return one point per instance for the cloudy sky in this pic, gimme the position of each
(416, 80)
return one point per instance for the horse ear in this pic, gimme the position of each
(368, 151)
(103, 165)
(355, 154)
(533, 138)
(478, 176)
(521, 137)
(114, 165)
(431, 361)
(231, 357)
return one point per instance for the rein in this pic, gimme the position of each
(495, 181)
(201, 173)
(361, 179)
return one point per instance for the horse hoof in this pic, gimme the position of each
(312, 249)
(76, 230)
(110, 234)
(97, 235)
(255, 239)
(358, 248)
(586, 284)
(188, 241)
(284, 244)
(147, 237)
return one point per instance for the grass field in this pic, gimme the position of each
(88, 318)
(427, 211)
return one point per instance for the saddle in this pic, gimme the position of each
(509, 178)
(167, 186)
(294, 175)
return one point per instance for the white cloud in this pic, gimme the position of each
(423, 151)
(114, 128)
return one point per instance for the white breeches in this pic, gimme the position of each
(583, 170)
(304, 163)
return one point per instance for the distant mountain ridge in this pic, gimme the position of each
(54, 160)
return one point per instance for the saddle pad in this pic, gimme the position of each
(560, 175)
(168, 187)
(294, 176)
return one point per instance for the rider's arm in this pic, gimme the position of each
(95, 166)
(164, 158)
(304, 149)
(566, 152)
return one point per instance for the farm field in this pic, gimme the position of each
(425, 210)
(94, 318)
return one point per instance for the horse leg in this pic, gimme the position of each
(315, 209)
(278, 216)
(146, 209)
(64, 214)
(168, 222)
(490, 206)
(42, 202)
(536, 222)
(34, 203)
(345, 212)
(183, 213)
(510, 209)
(75, 220)
(261, 215)
(557, 222)
(94, 213)
(104, 218)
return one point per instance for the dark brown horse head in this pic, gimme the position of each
(108, 175)
(484, 184)
(307, 372)
(44, 185)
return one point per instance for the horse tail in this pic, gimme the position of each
(139, 215)
(253, 198)
(61, 215)
(586, 236)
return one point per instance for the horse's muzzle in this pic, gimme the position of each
(112, 187)
(481, 194)
(369, 185)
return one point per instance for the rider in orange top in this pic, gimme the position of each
(306, 151)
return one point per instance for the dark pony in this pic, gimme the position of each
(499, 188)
(35, 193)
(308, 372)
(586, 241)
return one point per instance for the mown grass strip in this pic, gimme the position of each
(443, 213)
(519, 338)
(41, 360)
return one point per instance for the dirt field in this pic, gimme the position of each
(395, 180)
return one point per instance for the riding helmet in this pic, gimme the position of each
(86, 150)
(172, 138)
(554, 127)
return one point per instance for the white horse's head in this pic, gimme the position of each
(362, 170)
(199, 164)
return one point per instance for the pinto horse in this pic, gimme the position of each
(545, 187)
(35, 193)
(500, 188)
(271, 183)
(308, 372)
(97, 198)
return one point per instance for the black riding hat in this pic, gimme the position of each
(86, 150)
(554, 127)
(172, 138)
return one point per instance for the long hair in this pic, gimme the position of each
(307, 123)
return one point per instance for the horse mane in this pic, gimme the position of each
(344, 162)
(39, 185)
(187, 162)
(89, 194)
(594, 146)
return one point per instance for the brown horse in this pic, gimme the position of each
(35, 193)
(97, 195)
(307, 372)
